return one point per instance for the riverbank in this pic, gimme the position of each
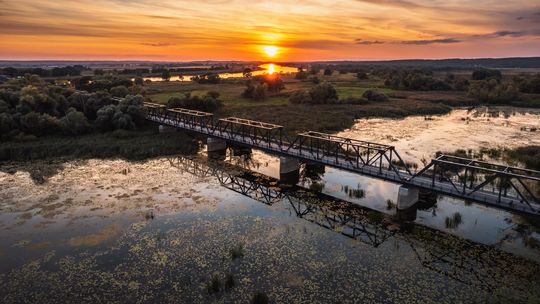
(130, 145)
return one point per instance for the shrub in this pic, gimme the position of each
(323, 93)
(207, 79)
(207, 103)
(491, 91)
(301, 75)
(328, 72)
(119, 91)
(482, 74)
(299, 97)
(74, 123)
(362, 75)
(374, 95)
(39, 124)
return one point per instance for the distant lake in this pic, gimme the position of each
(269, 68)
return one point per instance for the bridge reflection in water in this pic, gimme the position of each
(459, 259)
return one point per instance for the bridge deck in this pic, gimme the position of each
(379, 165)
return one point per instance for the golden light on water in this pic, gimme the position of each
(271, 50)
(271, 68)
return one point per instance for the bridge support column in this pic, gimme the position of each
(166, 129)
(289, 169)
(215, 144)
(407, 197)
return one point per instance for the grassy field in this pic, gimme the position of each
(325, 118)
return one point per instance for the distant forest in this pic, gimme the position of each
(519, 62)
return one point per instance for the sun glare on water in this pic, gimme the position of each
(270, 50)
(271, 68)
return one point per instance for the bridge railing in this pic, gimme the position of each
(356, 153)
(468, 177)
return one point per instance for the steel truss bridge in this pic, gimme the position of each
(472, 180)
(462, 260)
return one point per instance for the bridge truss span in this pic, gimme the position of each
(473, 180)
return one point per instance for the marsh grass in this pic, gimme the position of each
(454, 221)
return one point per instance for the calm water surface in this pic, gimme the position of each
(159, 230)
(268, 68)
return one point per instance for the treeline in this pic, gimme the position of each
(207, 103)
(260, 87)
(30, 106)
(69, 70)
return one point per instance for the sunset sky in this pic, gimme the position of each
(301, 30)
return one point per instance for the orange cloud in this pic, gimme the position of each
(238, 29)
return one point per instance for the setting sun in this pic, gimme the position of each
(271, 51)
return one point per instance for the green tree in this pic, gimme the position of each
(119, 91)
(166, 75)
(74, 122)
(323, 93)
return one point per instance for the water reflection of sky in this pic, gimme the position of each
(479, 223)
(146, 226)
(268, 68)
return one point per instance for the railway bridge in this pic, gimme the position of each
(491, 184)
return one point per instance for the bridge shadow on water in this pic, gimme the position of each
(459, 259)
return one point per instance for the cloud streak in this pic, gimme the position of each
(306, 29)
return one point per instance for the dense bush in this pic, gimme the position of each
(374, 95)
(491, 91)
(323, 93)
(529, 156)
(207, 79)
(482, 74)
(255, 91)
(301, 75)
(528, 84)
(320, 94)
(362, 75)
(119, 91)
(207, 103)
(74, 123)
(259, 87)
(299, 97)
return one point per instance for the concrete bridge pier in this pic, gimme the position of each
(407, 197)
(216, 148)
(215, 144)
(407, 203)
(289, 169)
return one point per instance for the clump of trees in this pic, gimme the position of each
(69, 70)
(323, 93)
(259, 87)
(528, 84)
(493, 91)
(374, 95)
(207, 79)
(207, 103)
(483, 74)
(31, 106)
(362, 75)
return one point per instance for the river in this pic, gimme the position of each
(268, 68)
(159, 230)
